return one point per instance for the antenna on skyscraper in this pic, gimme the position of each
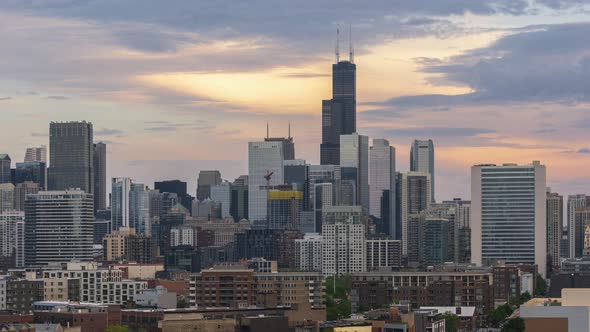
(338, 44)
(267, 132)
(289, 129)
(350, 47)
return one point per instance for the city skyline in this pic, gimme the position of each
(177, 80)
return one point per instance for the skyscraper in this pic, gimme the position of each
(381, 178)
(100, 176)
(265, 161)
(71, 154)
(414, 191)
(33, 171)
(338, 113)
(288, 144)
(179, 188)
(206, 180)
(5, 164)
(508, 214)
(554, 226)
(120, 189)
(354, 165)
(574, 202)
(130, 206)
(239, 198)
(37, 153)
(21, 191)
(49, 239)
(422, 160)
(222, 194)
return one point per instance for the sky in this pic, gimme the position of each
(178, 86)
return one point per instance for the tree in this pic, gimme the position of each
(514, 325)
(338, 303)
(117, 328)
(541, 286)
(451, 322)
(500, 313)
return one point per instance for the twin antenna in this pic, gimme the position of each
(350, 47)
(268, 133)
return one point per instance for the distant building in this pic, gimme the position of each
(130, 206)
(239, 198)
(179, 188)
(264, 159)
(12, 237)
(184, 235)
(222, 193)
(100, 176)
(308, 253)
(422, 160)
(554, 227)
(354, 165)
(38, 153)
(71, 154)
(70, 237)
(285, 207)
(504, 229)
(581, 221)
(206, 180)
(574, 203)
(5, 164)
(288, 145)
(414, 197)
(417, 289)
(6, 197)
(382, 178)
(383, 254)
(338, 113)
(343, 249)
(21, 191)
(32, 171)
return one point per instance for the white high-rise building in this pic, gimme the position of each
(422, 160)
(12, 238)
(574, 202)
(508, 215)
(354, 165)
(37, 153)
(264, 158)
(343, 232)
(69, 237)
(308, 253)
(415, 196)
(222, 193)
(381, 178)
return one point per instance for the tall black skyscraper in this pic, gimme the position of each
(71, 156)
(100, 176)
(338, 113)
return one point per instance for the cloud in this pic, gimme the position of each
(57, 97)
(108, 132)
(583, 150)
(168, 126)
(5, 98)
(39, 134)
(431, 132)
